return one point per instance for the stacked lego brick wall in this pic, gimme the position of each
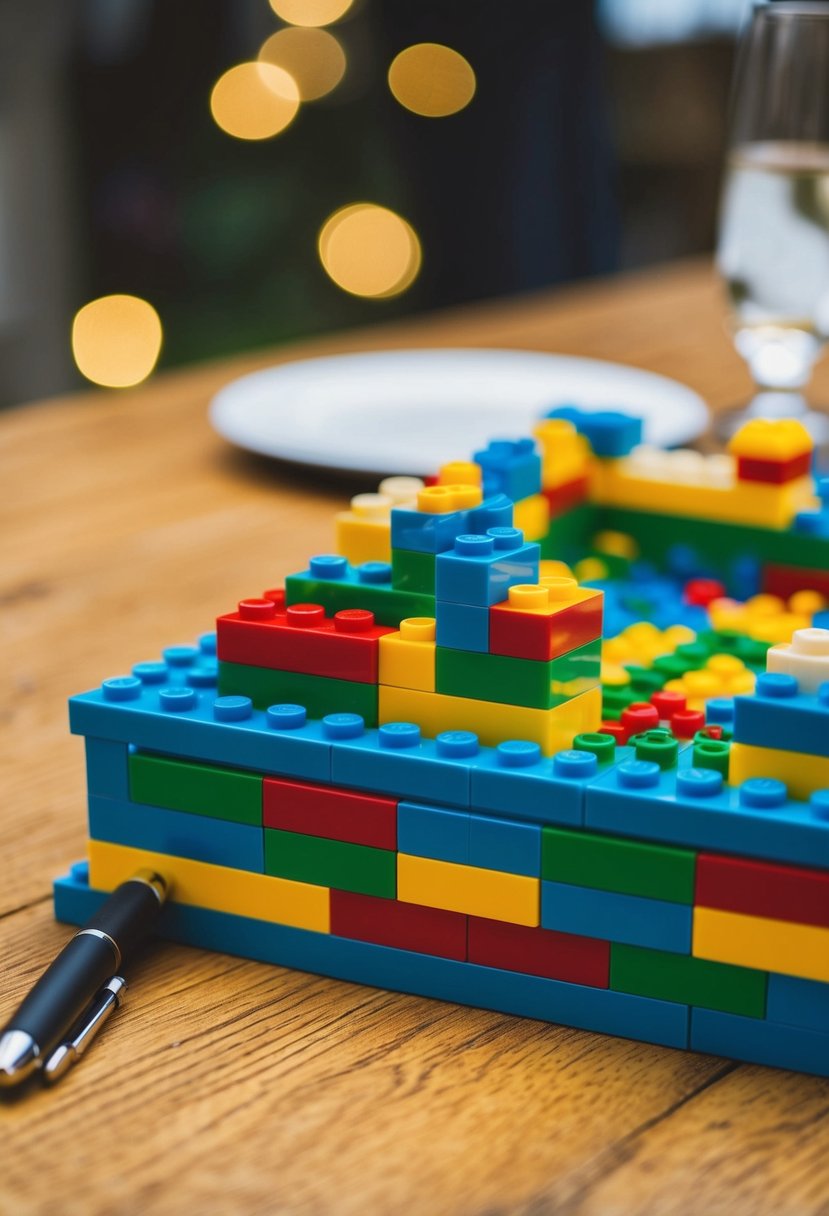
(753, 517)
(630, 887)
(484, 843)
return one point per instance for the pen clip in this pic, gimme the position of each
(84, 1030)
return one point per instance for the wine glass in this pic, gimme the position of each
(773, 250)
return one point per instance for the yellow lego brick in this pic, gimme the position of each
(532, 516)
(801, 774)
(565, 454)
(493, 722)
(771, 439)
(762, 943)
(362, 540)
(460, 473)
(240, 892)
(438, 499)
(407, 658)
(663, 483)
(514, 898)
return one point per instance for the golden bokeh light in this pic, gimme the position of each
(314, 58)
(369, 250)
(254, 100)
(310, 12)
(432, 80)
(116, 340)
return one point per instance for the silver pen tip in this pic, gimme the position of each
(19, 1057)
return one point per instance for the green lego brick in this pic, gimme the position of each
(717, 542)
(201, 789)
(412, 571)
(687, 980)
(320, 695)
(527, 682)
(569, 534)
(610, 863)
(331, 863)
(389, 605)
(616, 698)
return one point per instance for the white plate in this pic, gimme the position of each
(409, 411)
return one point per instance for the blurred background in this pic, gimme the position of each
(254, 172)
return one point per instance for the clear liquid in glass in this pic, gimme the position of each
(774, 256)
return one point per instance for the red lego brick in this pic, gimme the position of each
(316, 810)
(668, 703)
(615, 730)
(759, 888)
(301, 638)
(703, 591)
(545, 634)
(686, 722)
(387, 922)
(639, 717)
(786, 580)
(773, 472)
(545, 952)
(570, 494)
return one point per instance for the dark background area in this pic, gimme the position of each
(593, 143)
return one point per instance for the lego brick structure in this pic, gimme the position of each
(548, 735)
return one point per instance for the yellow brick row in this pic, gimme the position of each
(532, 516)
(468, 889)
(239, 892)
(493, 722)
(614, 483)
(762, 943)
(801, 773)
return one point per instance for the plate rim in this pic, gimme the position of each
(222, 399)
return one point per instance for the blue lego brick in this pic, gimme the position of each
(423, 532)
(515, 779)
(821, 620)
(238, 845)
(494, 512)
(201, 726)
(595, 1009)
(504, 844)
(107, 771)
(462, 626)
(432, 831)
(511, 467)
(395, 760)
(618, 918)
(759, 1041)
(609, 432)
(781, 716)
(797, 1002)
(481, 568)
(693, 807)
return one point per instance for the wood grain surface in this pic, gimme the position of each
(227, 1086)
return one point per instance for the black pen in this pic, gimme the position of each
(77, 992)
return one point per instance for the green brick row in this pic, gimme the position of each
(687, 980)
(535, 684)
(570, 533)
(320, 695)
(412, 571)
(201, 789)
(389, 605)
(717, 542)
(331, 863)
(608, 863)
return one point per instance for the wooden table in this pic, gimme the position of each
(229, 1086)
